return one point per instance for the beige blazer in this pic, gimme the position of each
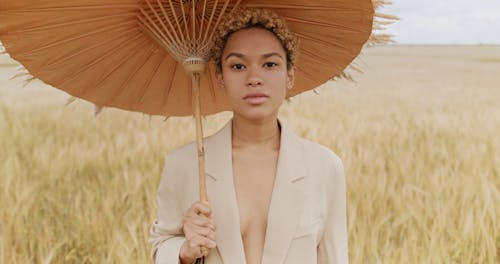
(307, 215)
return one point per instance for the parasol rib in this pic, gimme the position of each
(145, 88)
(121, 35)
(176, 19)
(168, 21)
(170, 39)
(202, 19)
(111, 51)
(169, 86)
(115, 68)
(132, 7)
(72, 23)
(348, 8)
(330, 44)
(130, 76)
(314, 55)
(184, 19)
(323, 24)
(193, 20)
(210, 20)
(158, 33)
(219, 18)
(69, 40)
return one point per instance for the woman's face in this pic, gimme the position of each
(254, 73)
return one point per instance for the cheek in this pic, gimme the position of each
(231, 88)
(228, 82)
(278, 82)
(231, 80)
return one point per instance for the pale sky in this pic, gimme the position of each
(445, 21)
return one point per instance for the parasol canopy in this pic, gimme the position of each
(129, 54)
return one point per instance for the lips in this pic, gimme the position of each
(256, 98)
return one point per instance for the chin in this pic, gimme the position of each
(256, 113)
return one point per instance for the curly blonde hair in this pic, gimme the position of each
(250, 18)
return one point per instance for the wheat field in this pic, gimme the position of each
(419, 134)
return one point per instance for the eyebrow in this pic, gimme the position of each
(239, 55)
(266, 55)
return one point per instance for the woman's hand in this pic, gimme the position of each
(199, 231)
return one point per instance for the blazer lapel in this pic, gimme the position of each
(287, 198)
(286, 202)
(222, 196)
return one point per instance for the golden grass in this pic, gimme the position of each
(418, 134)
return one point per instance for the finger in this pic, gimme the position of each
(202, 208)
(194, 223)
(207, 242)
(206, 232)
(202, 221)
(200, 241)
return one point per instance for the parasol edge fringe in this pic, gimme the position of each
(70, 100)
(28, 79)
(25, 77)
(97, 109)
(380, 20)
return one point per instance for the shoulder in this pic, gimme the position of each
(320, 153)
(325, 173)
(188, 151)
(178, 164)
(182, 153)
(324, 166)
(179, 170)
(317, 157)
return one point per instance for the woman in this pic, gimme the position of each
(274, 197)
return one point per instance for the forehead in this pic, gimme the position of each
(253, 41)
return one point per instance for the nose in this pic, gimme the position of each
(254, 82)
(253, 78)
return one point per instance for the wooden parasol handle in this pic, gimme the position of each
(195, 78)
(199, 137)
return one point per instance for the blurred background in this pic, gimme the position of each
(418, 132)
(458, 22)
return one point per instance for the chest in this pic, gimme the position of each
(254, 174)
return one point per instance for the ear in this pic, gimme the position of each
(290, 78)
(220, 80)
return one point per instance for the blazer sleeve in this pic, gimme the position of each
(332, 248)
(166, 235)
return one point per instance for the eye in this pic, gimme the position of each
(238, 66)
(270, 64)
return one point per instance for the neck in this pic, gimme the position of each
(263, 132)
